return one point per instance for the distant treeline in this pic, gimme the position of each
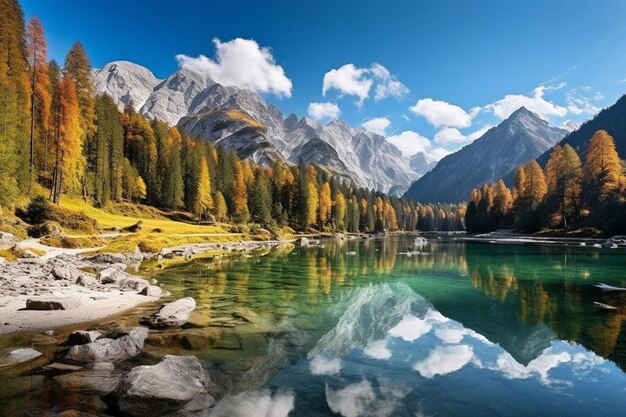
(55, 130)
(569, 193)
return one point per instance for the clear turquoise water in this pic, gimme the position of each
(466, 329)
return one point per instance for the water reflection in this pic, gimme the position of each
(460, 329)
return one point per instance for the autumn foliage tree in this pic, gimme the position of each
(36, 50)
(69, 159)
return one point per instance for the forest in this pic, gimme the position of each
(571, 193)
(57, 134)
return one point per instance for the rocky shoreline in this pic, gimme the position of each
(108, 360)
(40, 293)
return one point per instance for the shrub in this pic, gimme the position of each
(39, 210)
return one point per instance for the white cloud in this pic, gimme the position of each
(257, 403)
(441, 113)
(536, 103)
(319, 111)
(622, 81)
(449, 135)
(377, 125)
(444, 360)
(450, 335)
(321, 365)
(377, 350)
(352, 401)
(410, 143)
(540, 366)
(242, 63)
(353, 81)
(578, 104)
(388, 85)
(410, 328)
(478, 133)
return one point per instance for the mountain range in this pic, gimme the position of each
(521, 137)
(236, 118)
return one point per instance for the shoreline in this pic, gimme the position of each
(91, 300)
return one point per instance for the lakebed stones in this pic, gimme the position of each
(174, 314)
(162, 388)
(52, 303)
(108, 258)
(18, 356)
(108, 350)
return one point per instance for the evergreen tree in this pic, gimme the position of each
(36, 50)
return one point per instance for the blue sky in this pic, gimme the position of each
(453, 68)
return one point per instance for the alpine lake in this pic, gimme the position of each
(370, 328)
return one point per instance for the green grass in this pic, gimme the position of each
(106, 219)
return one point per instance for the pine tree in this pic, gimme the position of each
(69, 159)
(260, 199)
(14, 103)
(325, 204)
(221, 210)
(603, 171)
(564, 176)
(36, 50)
(204, 199)
(240, 195)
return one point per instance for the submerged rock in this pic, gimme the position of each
(52, 303)
(174, 314)
(162, 388)
(109, 350)
(17, 356)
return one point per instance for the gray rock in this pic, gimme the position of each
(2, 261)
(66, 272)
(18, 356)
(109, 350)
(89, 381)
(162, 388)
(200, 402)
(112, 275)
(151, 291)
(174, 314)
(57, 368)
(87, 280)
(81, 337)
(7, 240)
(133, 284)
(108, 258)
(52, 303)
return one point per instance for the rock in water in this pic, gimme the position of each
(174, 314)
(18, 356)
(52, 303)
(162, 388)
(109, 350)
(151, 291)
(82, 337)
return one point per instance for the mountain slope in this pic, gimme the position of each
(612, 119)
(238, 119)
(521, 137)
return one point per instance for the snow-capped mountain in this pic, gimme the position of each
(238, 119)
(422, 163)
(125, 82)
(521, 137)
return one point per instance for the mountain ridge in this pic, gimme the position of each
(517, 139)
(199, 106)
